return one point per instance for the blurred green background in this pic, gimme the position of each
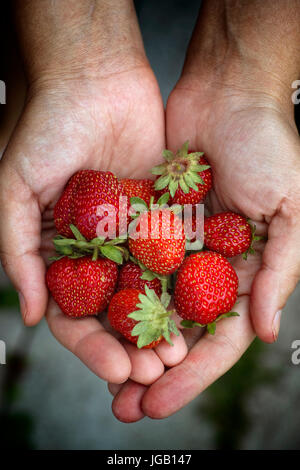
(49, 400)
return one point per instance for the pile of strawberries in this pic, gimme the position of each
(130, 259)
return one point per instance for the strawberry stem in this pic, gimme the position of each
(164, 284)
(211, 327)
(79, 247)
(95, 254)
(254, 238)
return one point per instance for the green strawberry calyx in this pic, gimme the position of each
(154, 320)
(179, 170)
(80, 246)
(139, 205)
(211, 327)
(254, 238)
(149, 275)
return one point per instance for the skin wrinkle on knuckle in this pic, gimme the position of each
(289, 210)
(192, 369)
(224, 342)
(289, 216)
(292, 277)
(80, 343)
(5, 255)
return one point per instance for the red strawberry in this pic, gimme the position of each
(161, 247)
(63, 209)
(186, 175)
(85, 193)
(81, 286)
(130, 277)
(141, 318)
(143, 189)
(206, 288)
(229, 234)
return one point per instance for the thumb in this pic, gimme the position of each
(19, 248)
(279, 273)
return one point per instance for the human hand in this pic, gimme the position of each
(241, 116)
(105, 114)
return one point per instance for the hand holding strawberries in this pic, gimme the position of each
(81, 113)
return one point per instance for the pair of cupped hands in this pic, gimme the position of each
(117, 122)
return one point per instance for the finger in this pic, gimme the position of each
(19, 246)
(91, 343)
(163, 350)
(126, 405)
(172, 355)
(279, 273)
(114, 388)
(209, 359)
(146, 366)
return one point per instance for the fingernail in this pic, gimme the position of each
(22, 305)
(276, 324)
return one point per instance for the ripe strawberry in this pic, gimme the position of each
(62, 210)
(186, 175)
(81, 286)
(229, 234)
(143, 188)
(130, 276)
(159, 241)
(86, 191)
(206, 288)
(141, 318)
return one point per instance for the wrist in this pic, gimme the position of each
(244, 47)
(98, 39)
